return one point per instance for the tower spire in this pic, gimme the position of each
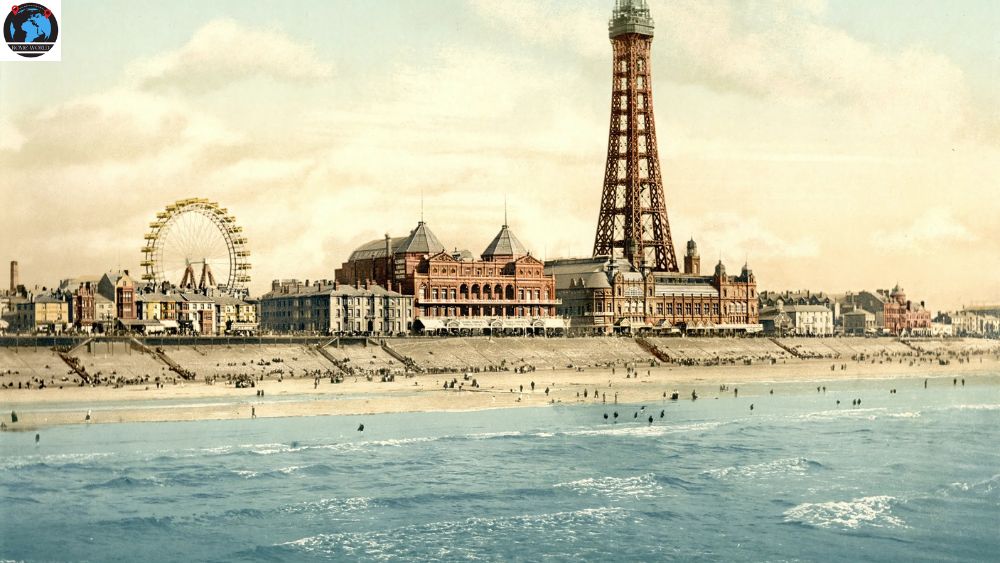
(633, 219)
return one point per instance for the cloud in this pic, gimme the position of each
(933, 230)
(759, 161)
(740, 236)
(784, 54)
(549, 23)
(117, 125)
(223, 51)
(10, 137)
(768, 50)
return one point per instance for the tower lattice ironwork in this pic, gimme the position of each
(633, 219)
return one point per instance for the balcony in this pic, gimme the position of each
(431, 301)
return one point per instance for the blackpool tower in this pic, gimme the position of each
(633, 221)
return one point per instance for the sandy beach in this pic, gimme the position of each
(304, 396)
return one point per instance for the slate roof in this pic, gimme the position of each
(420, 241)
(591, 271)
(375, 249)
(504, 244)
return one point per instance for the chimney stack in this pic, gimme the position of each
(14, 276)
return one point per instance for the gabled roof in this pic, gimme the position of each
(442, 257)
(504, 244)
(420, 241)
(528, 259)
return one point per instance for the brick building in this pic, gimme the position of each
(505, 282)
(903, 316)
(604, 295)
(119, 287)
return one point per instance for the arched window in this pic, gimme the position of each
(464, 291)
(510, 292)
(423, 291)
(475, 291)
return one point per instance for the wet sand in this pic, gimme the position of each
(424, 392)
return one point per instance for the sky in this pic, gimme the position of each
(833, 145)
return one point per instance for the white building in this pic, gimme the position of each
(332, 308)
(810, 320)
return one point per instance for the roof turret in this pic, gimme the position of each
(421, 241)
(504, 244)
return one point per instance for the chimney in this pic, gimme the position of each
(14, 276)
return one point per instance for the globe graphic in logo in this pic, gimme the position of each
(30, 29)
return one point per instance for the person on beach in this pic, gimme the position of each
(253, 412)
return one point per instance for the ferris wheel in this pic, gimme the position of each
(193, 243)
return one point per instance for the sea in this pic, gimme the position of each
(910, 475)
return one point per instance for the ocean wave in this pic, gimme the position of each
(643, 430)
(616, 488)
(125, 482)
(786, 466)
(327, 506)
(472, 538)
(489, 435)
(873, 511)
(989, 488)
(908, 414)
(978, 407)
(52, 460)
(868, 413)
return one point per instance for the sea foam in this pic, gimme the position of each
(873, 511)
(785, 466)
(639, 486)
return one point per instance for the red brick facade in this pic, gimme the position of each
(506, 282)
(902, 316)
